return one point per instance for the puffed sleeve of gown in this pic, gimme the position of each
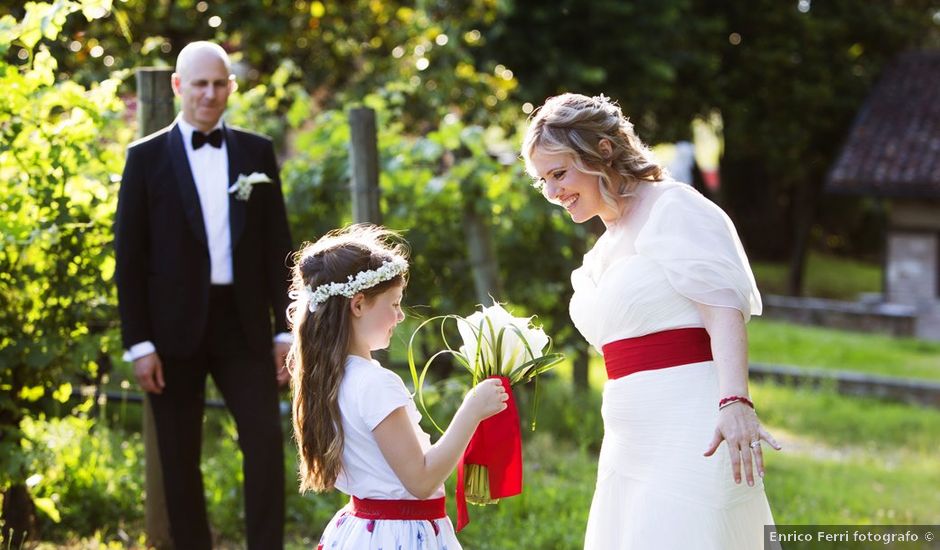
(698, 248)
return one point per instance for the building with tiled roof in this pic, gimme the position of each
(893, 152)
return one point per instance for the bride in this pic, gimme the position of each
(665, 295)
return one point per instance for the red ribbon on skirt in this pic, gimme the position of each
(368, 508)
(496, 444)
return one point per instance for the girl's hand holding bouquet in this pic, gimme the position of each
(498, 351)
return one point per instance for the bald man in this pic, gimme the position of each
(202, 277)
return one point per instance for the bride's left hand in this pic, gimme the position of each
(739, 426)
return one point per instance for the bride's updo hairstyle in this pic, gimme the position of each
(574, 124)
(321, 328)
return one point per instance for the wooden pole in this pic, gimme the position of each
(480, 247)
(364, 161)
(155, 107)
(364, 185)
(155, 110)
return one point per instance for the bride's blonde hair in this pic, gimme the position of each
(574, 124)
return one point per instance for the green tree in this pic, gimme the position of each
(647, 54)
(340, 52)
(56, 299)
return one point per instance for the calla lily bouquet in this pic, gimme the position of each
(495, 343)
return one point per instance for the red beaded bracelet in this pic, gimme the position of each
(734, 399)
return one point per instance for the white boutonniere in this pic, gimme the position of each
(244, 184)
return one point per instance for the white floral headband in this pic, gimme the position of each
(354, 285)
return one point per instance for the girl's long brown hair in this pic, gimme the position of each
(317, 357)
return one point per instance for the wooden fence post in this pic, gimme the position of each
(480, 248)
(155, 111)
(155, 106)
(364, 161)
(364, 184)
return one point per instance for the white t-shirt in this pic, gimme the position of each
(367, 395)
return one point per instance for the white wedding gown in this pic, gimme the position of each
(655, 489)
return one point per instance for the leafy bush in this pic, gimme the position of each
(56, 300)
(816, 347)
(88, 479)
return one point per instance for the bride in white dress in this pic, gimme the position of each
(664, 295)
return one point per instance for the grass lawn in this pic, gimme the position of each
(866, 424)
(825, 277)
(849, 460)
(780, 343)
(804, 490)
(845, 460)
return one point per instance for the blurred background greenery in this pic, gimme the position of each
(452, 82)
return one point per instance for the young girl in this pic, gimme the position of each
(355, 424)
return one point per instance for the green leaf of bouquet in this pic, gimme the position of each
(490, 369)
(535, 404)
(479, 360)
(528, 349)
(525, 342)
(525, 372)
(418, 379)
(476, 366)
(498, 353)
(420, 390)
(459, 356)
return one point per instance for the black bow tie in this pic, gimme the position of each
(214, 138)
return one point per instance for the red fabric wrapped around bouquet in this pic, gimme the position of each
(497, 445)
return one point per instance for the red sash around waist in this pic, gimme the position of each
(368, 508)
(659, 350)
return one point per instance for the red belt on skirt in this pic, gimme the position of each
(659, 350)
(368, 508)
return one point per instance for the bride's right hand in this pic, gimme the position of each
(487, 398)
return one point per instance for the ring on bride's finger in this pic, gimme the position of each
(755, 444)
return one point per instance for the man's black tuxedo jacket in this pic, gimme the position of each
(162, 267)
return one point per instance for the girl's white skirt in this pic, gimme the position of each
(348, 532)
